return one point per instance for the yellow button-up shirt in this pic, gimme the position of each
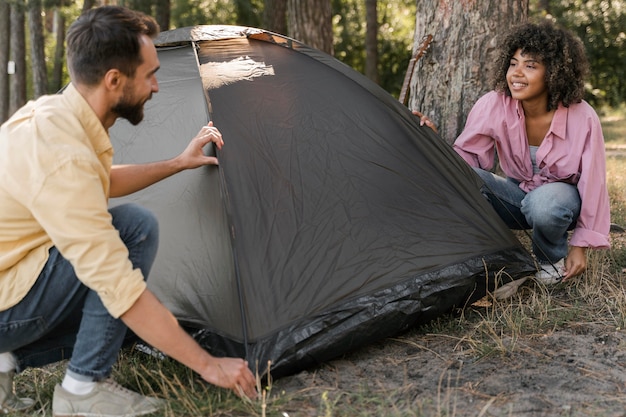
(55, 163)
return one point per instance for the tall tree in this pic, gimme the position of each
(371, 40)
(18, 56)
(88, 4)
(162, 13)
(310, 21)
(454, 73)
(275, 16)
(59, 51)
(5, 39)
(37, 52)
(247, 13)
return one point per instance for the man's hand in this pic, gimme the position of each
(575, 263)
(193, 156)
(231, 373)
(157, 326)
(127, 179)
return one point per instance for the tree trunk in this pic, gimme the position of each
(59, 52)
(275, 16)
(5, 39)
(18, 56)
(246, 14)
(162, 14)
(88, 4)
(310, 22)
(454, 73)
(144, 6)
(37, 53)
(544, 5)
(371, 40)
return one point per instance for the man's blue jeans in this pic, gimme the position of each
(61, 318)
(549, 210)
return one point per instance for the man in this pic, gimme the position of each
(71, 270)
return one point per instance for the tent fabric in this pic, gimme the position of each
(333, 219)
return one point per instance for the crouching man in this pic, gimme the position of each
(72, 271)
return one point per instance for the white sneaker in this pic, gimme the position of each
(108, 399)
(9, 402)
(550, 274)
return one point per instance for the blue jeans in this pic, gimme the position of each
(549, 210)
(61, 318)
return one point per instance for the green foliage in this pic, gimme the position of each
(396, 20)
(601, 24)
(202, 12)
(216, 12)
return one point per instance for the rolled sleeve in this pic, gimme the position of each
(594, 222)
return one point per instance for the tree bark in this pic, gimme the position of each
(310, 22)
(37, 53)
(371, 40)
(18, 56)
(544, 5)
(88, 4)
(246, 14)
(5, 39)
(162, 14)
(59, 52)
(454, 73)
(275, 16)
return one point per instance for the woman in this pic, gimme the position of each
(549, 145)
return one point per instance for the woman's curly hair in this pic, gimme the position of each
(562, 53)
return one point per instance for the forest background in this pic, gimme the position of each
(375, 37)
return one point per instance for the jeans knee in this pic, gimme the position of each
(549, 215)
(148, 222)
(136, 221)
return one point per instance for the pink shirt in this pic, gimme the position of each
(571, 152)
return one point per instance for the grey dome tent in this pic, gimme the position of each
(333, 219)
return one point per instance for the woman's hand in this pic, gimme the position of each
(424, 120)
(575, 263)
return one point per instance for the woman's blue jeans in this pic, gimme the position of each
(61, 318)
(549, 210)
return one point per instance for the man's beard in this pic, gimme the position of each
(133, 112)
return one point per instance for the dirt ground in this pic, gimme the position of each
(574, 370)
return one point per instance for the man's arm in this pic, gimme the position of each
(156, 325)
(127, 179)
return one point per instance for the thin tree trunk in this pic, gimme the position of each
(59, 52)
(544, 5)
(371, 40)
(310, 21)
(37, 53)
(454, 73)
(5, 39)
(88, 4)
(18, 56)
(275, 16)
(246, 15)
(162, 14)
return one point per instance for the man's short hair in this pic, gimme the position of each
(105, 38)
